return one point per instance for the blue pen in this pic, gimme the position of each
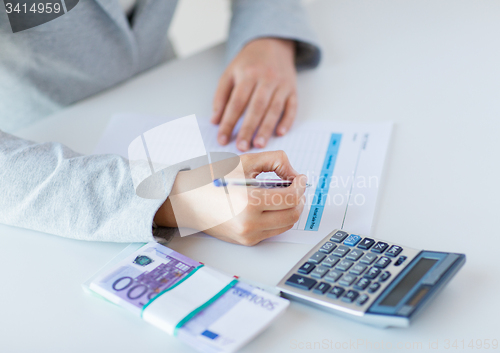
(260, 183)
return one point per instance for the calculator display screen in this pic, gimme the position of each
(408, 282)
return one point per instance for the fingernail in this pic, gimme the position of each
(243, 145)
(282, 130)
(260, 142)
(222, 139)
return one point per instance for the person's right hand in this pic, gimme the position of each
(269, 212)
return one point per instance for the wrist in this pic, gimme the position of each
(282, 44)
(165, 217)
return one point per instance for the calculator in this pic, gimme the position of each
(370, 280)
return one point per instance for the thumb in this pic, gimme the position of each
(273, 161)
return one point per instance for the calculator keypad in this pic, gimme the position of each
(327, 247)
(319, 272)
(400, 260)
(330, 261)
(321, 288)
(368, 258)
(351, 270)
(366, 243)
(344, 265)
(350, 296)
(380, 247)
(338, 236)
(384, 276)
(301, 282)
(358, 269)
(306, 268)
(372, 273)
(383, 262)
(394, 251)
(352, 240)
(355, 254)
(362, 284)
(336, 292)
(317, 257)
(347, 280)
(341, 251)
(333, 276)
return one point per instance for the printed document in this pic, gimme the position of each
(343, 162)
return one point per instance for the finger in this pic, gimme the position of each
(255, 238)
(273, 115)
(240, 95)
(279, 219)
(277, 199)
(271, 233)
(255, 113)
(251, 238)
(221, 97)
(273, 161)
(288, 116)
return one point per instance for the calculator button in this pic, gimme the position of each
(339, 236)
(400, 260)
(340, 251)
(372, 273)
(358, 269)
(306, 268)
(374, 287)
(301, 282)
(368, 258)
(317, 257)
(363, 298)
(355, 254)
(350, 296)
(383, 262)
(366, 243)
(321, 288)
(344, 265)
(362, 284)
(347, 280)
(330, 261)
(384, 276)
(394, 251)
(336, 292)
(380, 247)
(327, 247)
(352, 240)
(333, 276)
(319, 272)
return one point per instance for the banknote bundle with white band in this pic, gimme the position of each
(173, 306)
(208, 310)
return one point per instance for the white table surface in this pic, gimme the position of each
(430, 66)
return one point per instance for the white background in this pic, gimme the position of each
(432, 66)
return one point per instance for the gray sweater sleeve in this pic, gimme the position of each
(285, 19)
(49, 188)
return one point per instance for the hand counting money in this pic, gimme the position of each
(206, 309)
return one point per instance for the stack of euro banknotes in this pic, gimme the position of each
(224, 323)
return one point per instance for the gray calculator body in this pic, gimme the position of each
(367, 279)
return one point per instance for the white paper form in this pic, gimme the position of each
(343, 162)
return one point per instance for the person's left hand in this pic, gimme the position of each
(261, 80)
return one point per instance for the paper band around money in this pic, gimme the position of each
(175, 306)
(203, 306)
(170, 288)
